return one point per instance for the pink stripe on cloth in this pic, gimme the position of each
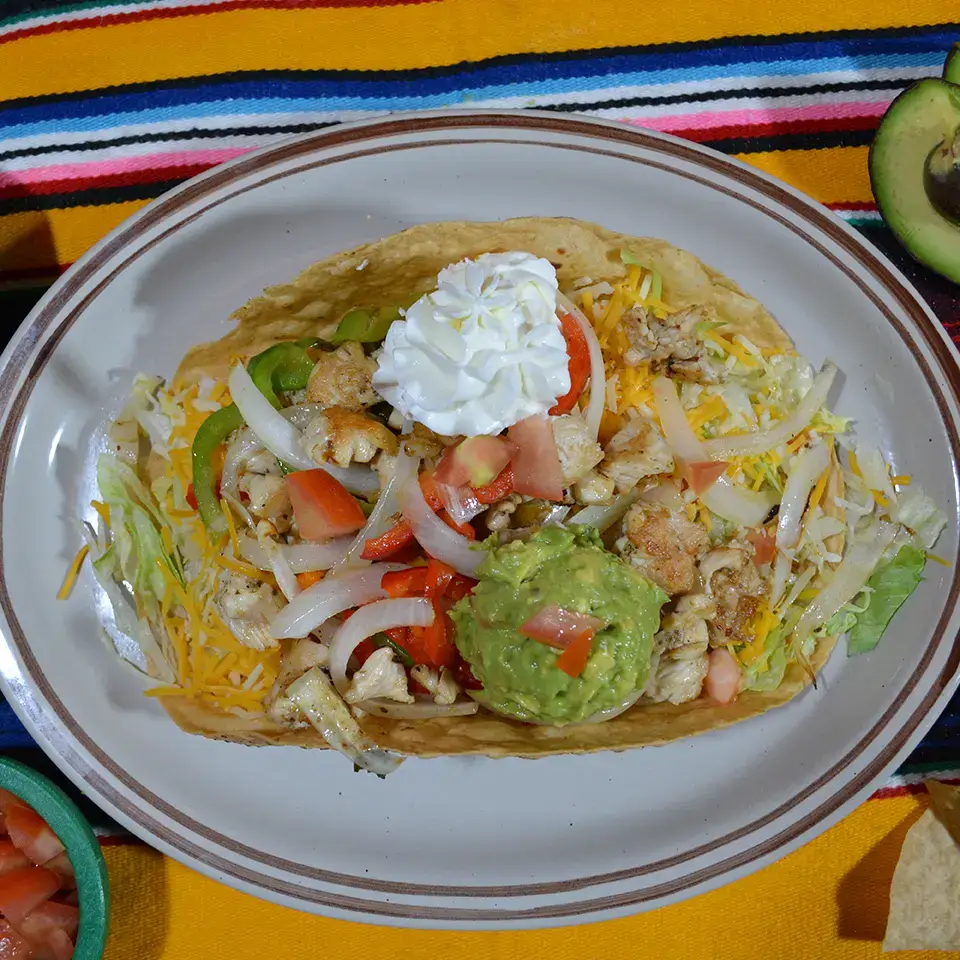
(748, 118)
(121, 165)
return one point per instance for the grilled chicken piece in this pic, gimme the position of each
(579, 452)
(733, 581)
(346, 436)
(638, 450)
(663, 545)
(343, 378)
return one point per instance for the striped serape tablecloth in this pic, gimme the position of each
(104, 106)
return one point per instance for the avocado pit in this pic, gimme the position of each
(941, 178)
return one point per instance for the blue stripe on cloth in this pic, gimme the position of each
(467, 82)
(12, 731)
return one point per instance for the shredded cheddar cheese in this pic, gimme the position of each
(73, 571)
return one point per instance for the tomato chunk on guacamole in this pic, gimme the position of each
(567, 568)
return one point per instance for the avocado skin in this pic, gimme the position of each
(922, 117)
(951, 69)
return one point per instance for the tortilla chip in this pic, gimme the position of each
(398, 269)
(925, 894)
(402, 267)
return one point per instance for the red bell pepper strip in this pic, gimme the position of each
(439, 577)
(578, 365)
(405, 583)
(498, 489)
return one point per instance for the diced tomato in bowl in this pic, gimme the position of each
(54, 897)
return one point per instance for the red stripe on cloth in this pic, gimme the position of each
(120, 840)
(78, 184)
(826, 125)
(907, 789)
(165, 13)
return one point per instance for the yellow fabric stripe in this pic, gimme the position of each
(396, 37)
(842, 880)
(835, 175)
(39, 239)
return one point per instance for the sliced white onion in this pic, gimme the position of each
(848, 580)
(275, 431)
(752, 444)
(604, 516)
(434, 535)
(326, 599)
(781, 573)
(279, 566)
(424, 709)
(460, 502)
(601, 715)
(874, 472)
(682, 440)
(302, 557)
(387, 506)
(746, 508)
(807, 467)
(799, 585)
(594, 412)
(374, 618)
(242, 448)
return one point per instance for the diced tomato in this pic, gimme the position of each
(309, 577)
(459, 588)
(435, 642)
(574, 658)
(12, 945)
(703, 474)
(764, 545)
(475, 462)
(59, 945)
(63, 868)
(22, 891)
(498, 489)
(558, 628)
(8, 800)
(464, 676)
(322, 505)
(536, 467)
(30, 833)
(722, 682)
(12, 858)
(439, 577)
(387, 544)
(48, 917)
(404, 583)
(578, 366)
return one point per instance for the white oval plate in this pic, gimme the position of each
(461, 842)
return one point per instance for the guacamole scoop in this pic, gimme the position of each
(570, 569)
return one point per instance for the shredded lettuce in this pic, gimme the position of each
(766, 672)
(628, 258)
(826, 421)
(145, 407)
(138, 551)
(921, 516)
(890, 584)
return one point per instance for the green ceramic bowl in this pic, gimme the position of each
(68, 823)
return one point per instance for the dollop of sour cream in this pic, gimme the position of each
(482, 351)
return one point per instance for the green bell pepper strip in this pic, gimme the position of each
(284, 366)
(364, 327)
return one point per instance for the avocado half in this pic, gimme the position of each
(912, 159)
(951, 69)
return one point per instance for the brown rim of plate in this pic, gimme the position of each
(46, 321)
